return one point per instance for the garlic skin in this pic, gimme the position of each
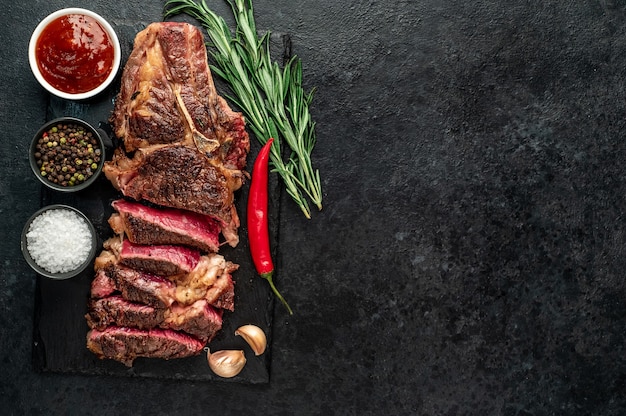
(254, 336)
(226, 363)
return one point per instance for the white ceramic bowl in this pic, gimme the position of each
(33, 60)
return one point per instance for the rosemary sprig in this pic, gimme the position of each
(272, 99)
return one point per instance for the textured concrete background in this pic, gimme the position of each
(469, 259)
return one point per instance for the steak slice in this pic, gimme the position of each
(126, 344)
(167, 95)
(138, 286)
(178, 176)
(162, 260)
(199, 319)
(147, 225)
(211, 280)
(115, 310)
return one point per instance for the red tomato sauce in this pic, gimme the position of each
(74, 53)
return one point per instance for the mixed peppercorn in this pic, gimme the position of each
(67, 154)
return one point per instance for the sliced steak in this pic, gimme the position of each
(138, 286)
(183, 145)
(199, 319)
(181, 161)
(178, 176)
(162, 260)
(211, 280)
(147, 225)
(126, 344)
(115, 310)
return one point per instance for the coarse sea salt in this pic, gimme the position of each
(58, 240)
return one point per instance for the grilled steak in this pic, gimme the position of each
(115, 310)
(167, 96)
(146, 225)
(211, 280)
(162, 260)
(199, 319)
(181, 159)
(188, 147)
(178, 176)
(126, 344)
(138, 286)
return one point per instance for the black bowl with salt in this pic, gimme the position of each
(59, 241)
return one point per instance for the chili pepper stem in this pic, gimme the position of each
(268, 277)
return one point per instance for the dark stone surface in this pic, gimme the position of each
(469, 258)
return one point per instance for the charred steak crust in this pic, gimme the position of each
(180, 177)
(222, 294)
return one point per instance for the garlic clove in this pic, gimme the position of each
(254, 336)
(226, 363)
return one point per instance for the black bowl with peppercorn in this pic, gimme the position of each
(67, 154)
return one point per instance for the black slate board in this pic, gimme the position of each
(59, 339)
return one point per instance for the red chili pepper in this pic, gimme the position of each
(258, 230)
